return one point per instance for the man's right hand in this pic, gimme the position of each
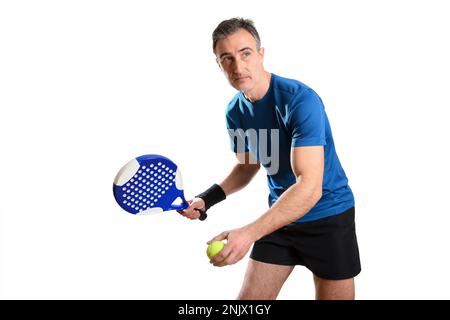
(192, 212)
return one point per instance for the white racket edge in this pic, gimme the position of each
(178, 180)
(126, 173)
(150, 211)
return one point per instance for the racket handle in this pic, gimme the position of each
(203, 215)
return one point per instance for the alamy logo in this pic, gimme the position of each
(265, 146)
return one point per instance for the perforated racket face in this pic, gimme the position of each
(149, 184)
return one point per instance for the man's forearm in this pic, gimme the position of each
(239, 177)
(292, 205)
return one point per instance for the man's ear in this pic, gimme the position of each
(261, 52)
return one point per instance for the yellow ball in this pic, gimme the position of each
(214, 248)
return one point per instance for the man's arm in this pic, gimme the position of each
(294, 203)
(240, 176)
(308, 166)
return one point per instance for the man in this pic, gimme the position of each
(310, 221)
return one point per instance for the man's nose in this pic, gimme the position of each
(239, 65)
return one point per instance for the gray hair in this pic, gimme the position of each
(230, 26)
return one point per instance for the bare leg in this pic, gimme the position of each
(263, 281)
(334, 289)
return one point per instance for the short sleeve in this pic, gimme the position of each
(307, 119)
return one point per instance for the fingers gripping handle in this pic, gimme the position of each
(203, 215)
(184, 205)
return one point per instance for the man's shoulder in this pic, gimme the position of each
(234, 103)
(290, 90)
(288, 86)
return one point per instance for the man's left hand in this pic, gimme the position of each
(239, 242)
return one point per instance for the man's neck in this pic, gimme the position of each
(258, 93)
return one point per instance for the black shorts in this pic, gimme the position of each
(328, 246)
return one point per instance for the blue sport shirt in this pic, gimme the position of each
(295, 114)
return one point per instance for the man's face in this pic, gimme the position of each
(240, 60)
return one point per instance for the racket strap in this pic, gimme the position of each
(212, 196)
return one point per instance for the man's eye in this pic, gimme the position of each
(226, 59)
(246, 53)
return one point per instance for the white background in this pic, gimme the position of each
(85, 86)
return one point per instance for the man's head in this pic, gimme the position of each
(238, 51)
(228, 27)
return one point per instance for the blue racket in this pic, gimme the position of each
(150, 184)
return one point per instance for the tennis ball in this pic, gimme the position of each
(214, 248)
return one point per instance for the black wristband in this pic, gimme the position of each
(212, 196)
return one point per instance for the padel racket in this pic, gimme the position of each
(150, 184)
